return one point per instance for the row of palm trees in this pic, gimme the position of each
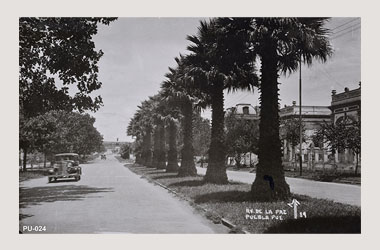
(225, 55)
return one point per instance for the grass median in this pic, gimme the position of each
(232, 202)
(32, 174)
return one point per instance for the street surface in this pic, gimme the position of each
(108, 199)
(344, 193)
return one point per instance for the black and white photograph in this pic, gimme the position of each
(189, 125)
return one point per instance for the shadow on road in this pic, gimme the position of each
(227, 196)
(65, 180)
(36, 195)
(23, 216)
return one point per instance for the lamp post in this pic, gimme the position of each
(300, 115)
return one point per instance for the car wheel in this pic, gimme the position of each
(50, 179)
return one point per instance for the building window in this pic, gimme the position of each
(246, 110)
(353, 107)
(338, 110)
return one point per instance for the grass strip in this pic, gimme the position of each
(233, 202)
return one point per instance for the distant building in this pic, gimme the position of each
(113, 146)
(245, 111)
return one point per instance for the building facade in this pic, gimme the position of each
(346, 105)
(245, 111)
(312, 118)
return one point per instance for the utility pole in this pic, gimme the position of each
(300, 116)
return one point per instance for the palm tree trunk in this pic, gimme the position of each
(323, 159)
(187, 163)
(138, 157)
(156, 146)
(216, 169)
(357, 164)
(238, 160)
(44, 160)
(160, 144)
(25, 150)
(138, 149)
(172, 154)
(270, 181)
(147, 148)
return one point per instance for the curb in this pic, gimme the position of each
(224, 221)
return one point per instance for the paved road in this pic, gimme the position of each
(108, 199)
(344, 193)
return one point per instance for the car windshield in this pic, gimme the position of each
(66, 157)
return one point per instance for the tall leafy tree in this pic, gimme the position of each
(290, 131)
(344, 134)
(52, 49)
(125, 151)
(280, 44)
(241, 136)
(354, 141)
(221, 59)
(61, 131)
(202, 135)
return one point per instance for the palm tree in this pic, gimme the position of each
(177, 91)
(221, 59)
(280, 43)
(158, 117)
(172, 165)
(135, 130)
(141, 126)
(171, 115)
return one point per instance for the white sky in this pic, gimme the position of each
(138, 52)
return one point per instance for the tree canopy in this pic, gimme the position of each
(280, 44)
(241, 136)
(344, 134)
(61, 131)
(55, 53)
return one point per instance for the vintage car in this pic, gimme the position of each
(65, 165)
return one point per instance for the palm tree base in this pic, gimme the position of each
(148, 164)
(161, 165)
(216, 174)
(266, 188)
(187, 169)
(172, 168)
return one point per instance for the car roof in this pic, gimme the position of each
(66, 154)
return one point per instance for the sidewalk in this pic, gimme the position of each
(344, 193)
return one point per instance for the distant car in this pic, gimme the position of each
(103, 157)
(65, 165)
